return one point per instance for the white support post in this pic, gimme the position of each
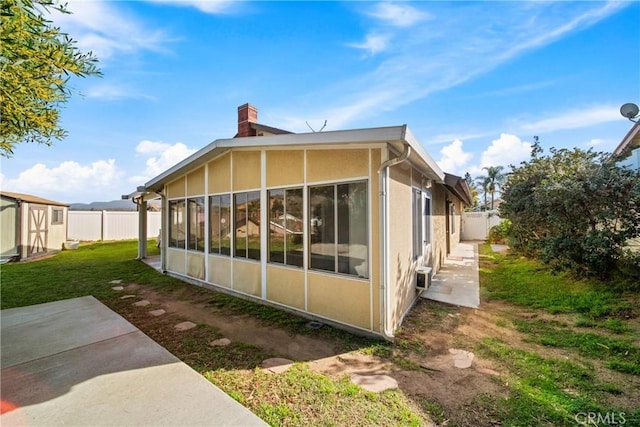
(142, 229)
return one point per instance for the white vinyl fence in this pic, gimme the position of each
(476, 225)
(109, 225)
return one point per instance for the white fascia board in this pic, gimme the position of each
(353, 136)
(342, 137)
(428, 160)
(196, 159)
(627, 140)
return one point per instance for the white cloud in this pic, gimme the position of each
(161, 156)
(213, 7)
(373, 44)
(113, 92)
(454, 159)
(399, 15)
(574, 119)
(504, 151)
(68, 182)
(595, 142)
(107, 29)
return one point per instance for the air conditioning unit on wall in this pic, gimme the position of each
(423, 277)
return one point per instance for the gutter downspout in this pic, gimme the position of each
(383, 173)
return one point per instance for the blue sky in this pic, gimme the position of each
(475, 81)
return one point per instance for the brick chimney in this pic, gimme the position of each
(247, 114)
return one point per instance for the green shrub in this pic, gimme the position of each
(500, 233)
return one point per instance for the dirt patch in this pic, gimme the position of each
(420, 360)
(436, 330)
(237, 328)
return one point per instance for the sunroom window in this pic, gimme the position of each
(285, 227)
(338, 228)
(177, 219)
(220, 224)
(246, 211)
(195, 220)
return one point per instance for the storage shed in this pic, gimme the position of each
(30, 226)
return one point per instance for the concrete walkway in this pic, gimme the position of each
(77, 363)
(458, 281)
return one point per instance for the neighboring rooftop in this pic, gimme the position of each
(31, 198)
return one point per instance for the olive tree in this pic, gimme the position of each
(574, 209)
(36, 62)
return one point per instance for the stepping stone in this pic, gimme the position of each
(461, 359)
(185, 326)
(142, 303)
(158, 312)
(374, 383)
(118, 288)
(220, 342)
(488, 371)
(116, 282)
(276, 365)
(128, 296)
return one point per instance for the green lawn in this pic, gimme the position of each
(75, 273)
(298, 397)
(580, 351)
(592, 325)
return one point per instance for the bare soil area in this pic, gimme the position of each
(420, 360)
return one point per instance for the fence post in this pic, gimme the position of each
(103, 232)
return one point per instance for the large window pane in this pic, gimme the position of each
(225, 224)
(195, 216)
(285, 227)
(240, 224)
(277, 231)
(322, 228)
(247, 225)
(220, 223)
(177, 224)
(293, 221)
(352, 229)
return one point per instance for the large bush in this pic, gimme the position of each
(574, 209)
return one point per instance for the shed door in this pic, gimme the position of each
(37, 230)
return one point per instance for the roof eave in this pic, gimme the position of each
(390, 134)
(630, 138)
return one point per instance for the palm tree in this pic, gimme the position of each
(483, 182)
(494, 180)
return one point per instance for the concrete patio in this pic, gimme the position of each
(458, 280)
(77, 363)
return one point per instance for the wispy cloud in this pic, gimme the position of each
(458, 44)
(108, 29)
(214, 7)
(373, 43)
(112, 92)
(398, 14)
(574, 119)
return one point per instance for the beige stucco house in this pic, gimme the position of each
(31, 226)
(332, 225)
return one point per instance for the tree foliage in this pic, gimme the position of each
(472, 188)
(36, 62)
(574, 209)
